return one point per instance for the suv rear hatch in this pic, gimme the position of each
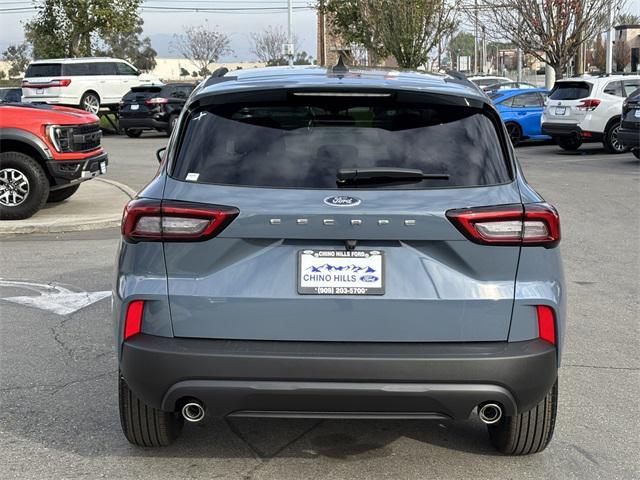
(135, 103)
(266, 275)
(566, 103)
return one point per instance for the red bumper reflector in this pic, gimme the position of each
(546, 324)
(133, 321)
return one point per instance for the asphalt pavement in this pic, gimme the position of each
(59, 415)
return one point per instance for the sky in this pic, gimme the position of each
(160, 25)
(164, 18)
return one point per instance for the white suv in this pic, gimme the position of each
(587, 108)
(88, 83)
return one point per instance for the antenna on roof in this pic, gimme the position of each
(340, 67)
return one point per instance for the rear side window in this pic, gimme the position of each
(527, 100)
(302, 144)
(44, 70)
(78, 69)
(570, 90)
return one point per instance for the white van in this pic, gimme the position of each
(88, 83)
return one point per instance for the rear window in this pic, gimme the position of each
(570, 90)
(43, 70)
(302, 144)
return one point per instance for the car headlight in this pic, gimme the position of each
(61, 137)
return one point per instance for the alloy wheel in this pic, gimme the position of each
(615, 143)
(14, 187)
(91, 104)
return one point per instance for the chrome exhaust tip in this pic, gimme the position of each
(490, 413)
(193, 412)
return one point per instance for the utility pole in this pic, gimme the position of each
(519, 66)
(610, 34)
(484, 50)
(290, 33)
(475, 39)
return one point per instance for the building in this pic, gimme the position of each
(627, 47)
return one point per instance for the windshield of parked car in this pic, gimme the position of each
(570, 91)
(303, 144)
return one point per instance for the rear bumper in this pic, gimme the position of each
(569, 130)
(630, 138)
(315, 379)
(146, 123)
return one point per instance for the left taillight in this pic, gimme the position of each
(529, 224)
(170, 221)
(133, 319)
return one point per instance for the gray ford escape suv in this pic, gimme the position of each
(339, 244)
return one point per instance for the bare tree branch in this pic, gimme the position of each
(202, 46)
(267, 45)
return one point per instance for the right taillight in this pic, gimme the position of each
(170, 221)
(589, 104)
(546, 324)
(530, 224)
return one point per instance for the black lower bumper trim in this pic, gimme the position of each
(629, 138)
(232, 377)
(68, 171)
(146, 123)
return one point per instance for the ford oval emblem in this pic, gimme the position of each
(342, 201)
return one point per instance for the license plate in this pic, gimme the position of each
(341, 272)
(103, 167)
(39, 91)
(135, 106)
(561, 110)
(636, 113)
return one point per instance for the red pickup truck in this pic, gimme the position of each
(45, 153)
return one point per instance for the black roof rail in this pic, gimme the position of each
(618, 73)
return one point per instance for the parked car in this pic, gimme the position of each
(486, 80)
(520, 111)
(629, 133)
(507, 86)
(153, 108)
(45, 153)
(319, 244)
(586, 108)
(87, 83)
(10, 95)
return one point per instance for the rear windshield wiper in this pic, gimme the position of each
(372, 175)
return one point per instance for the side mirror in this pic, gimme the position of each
(160, 154)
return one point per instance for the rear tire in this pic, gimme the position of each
(570, 144)
(24, 186)
(90, 102)
(611, 142)
(133, 133)
(62, 194)
(515, 133)
(143, 425)
(528, 432)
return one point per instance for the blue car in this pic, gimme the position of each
(521, 109)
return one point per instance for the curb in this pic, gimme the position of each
(61, 221)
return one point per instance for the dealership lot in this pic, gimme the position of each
(58, 371)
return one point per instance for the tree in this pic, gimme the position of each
(130, 46)
(201, 45)
(627, 19)
(302, 58)
(3, 75)
(184, 72)
(267, 45)
(550, 30)
(621, 55)
(407, 30)
(461, 45)
(71, 28)
(18, 57)
(598, 54)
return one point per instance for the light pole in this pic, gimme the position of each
(609, 55)
(290, 32)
